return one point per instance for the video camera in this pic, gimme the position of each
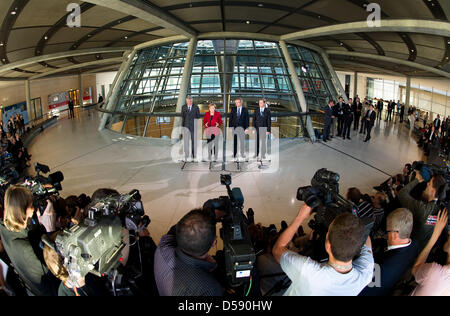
(326, 202)
(95, 245)
(43, 188)
(238, 248)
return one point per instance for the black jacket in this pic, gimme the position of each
(437, 123)
(372, 117)
(26, 256)
(189, 117)
(339, 109)
(328, 115)
(393, 264)
(380, 105)
(262, 121)
(348, 113)
(243, 121)
(357, 106)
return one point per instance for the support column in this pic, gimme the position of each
(299, 89)
(114, 90)
(334, 77)
(185, 79)
(355, 93)
(28, 99)
(408, 96)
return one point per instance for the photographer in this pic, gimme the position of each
(423, 209)
(363, 202)
(21, 237)
(87, 286)
(183, 266)
(340, 275)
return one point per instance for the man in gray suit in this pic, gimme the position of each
(190, 113)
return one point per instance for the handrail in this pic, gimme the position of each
(174, 114)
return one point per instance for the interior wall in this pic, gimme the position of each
(105, 79)
(442, 84)
(15, 92)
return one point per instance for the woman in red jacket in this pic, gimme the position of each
(212, 123)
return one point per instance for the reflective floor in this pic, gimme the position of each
(90, 160)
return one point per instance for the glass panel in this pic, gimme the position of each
(222, 70)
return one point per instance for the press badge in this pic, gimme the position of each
(432, 220)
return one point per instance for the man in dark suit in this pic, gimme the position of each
(430, 140)
(391, 108)
(348, 119)
(402, 113)
(357, 111)
(363, 129)
(328, 119)
(262, 122)
(380, 106)
(399, 256)
(240, 121)
(190, 113)
(339, 113)
(71, 106)
(437, 123)
(370, 118)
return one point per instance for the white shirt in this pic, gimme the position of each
(398, 246)
(310, 278)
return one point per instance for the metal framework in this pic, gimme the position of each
(289, 61)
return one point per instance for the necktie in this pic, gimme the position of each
(261, 112)
(239, 112)
(189, 109)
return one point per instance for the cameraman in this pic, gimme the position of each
(86, 286)
(21, 238)
(424, 209)
(183, 266)
(340, 275)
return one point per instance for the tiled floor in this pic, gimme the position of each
(90, 159)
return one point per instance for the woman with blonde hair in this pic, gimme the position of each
(21, 237)
(212, 122)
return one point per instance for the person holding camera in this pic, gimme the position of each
(21, 237)
(341, 275)
(423, 210)
(433, 278)
(88, 285)
(183, 266)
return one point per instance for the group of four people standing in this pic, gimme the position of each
(239, 121)
(346, 114)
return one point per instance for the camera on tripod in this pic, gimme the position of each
(44, 188)
(238, 248)
(326, 202)
(95, 245)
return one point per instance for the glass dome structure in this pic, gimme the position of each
(150, 91)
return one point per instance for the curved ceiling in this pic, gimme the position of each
(33, 28)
